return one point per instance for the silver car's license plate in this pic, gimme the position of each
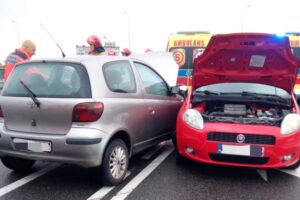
(32, 145)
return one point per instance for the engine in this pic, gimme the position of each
(243, 113)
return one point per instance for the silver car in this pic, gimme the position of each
(1, 76)
(92, 111)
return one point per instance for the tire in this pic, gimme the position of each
(115, 163)
(180, 160)
(17, 164)
(174, 141)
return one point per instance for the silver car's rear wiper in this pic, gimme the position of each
(31, 94)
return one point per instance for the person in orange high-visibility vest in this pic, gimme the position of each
(24, 53)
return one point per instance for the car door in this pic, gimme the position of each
(162, 107)
(124, 103)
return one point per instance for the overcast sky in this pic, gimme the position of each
(150, 21)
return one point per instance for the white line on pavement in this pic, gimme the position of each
(104, 190)
(294, 172)
(122, 194)
(263, 174)
(8, 188)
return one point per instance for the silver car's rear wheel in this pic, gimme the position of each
(118, 162)
(115, 163)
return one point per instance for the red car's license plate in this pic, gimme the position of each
(241, 150)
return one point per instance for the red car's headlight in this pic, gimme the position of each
(290, 123)
(193, 118)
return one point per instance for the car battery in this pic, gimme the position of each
(235, 109)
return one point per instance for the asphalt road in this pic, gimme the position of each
(152, 175)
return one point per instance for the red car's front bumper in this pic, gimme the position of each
(264, 146)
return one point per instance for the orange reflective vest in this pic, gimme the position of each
(12, 59)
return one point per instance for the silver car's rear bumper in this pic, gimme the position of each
(80, 146)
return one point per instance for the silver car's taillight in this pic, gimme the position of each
(87, 112)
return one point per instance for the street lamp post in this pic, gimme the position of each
(128, 28)
(18, 31)
(242, 17)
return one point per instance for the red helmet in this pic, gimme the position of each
(148, 50)
(126, 52)
(111, 52)
(94, 40)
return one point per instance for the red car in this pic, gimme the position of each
(241, 110)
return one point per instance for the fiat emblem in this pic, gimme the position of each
(240, 138)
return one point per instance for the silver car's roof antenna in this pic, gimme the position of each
(62, 52)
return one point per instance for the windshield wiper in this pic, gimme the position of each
(252, 94)
(268, 97)
(278, 98)
(209, 92)
(31, 94)
(244, 93)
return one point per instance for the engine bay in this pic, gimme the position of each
(242, 112)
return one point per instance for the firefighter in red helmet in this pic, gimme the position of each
(126, 52)
(96, 47)
(111, 52)
(148, 50)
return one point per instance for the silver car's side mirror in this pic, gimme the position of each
(298, 98)
(179, 89)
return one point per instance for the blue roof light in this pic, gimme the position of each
(282, 34)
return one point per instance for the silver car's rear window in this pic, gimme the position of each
(49, 79)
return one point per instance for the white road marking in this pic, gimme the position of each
(151, 152)
(294, 172)
(122, 194)
(104, 190)
(263, 174)
(8, 188)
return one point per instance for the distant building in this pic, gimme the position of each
(83, 49)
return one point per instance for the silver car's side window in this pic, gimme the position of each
(119, 77)
(152, 82)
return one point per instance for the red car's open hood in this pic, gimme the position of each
(247, 57)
